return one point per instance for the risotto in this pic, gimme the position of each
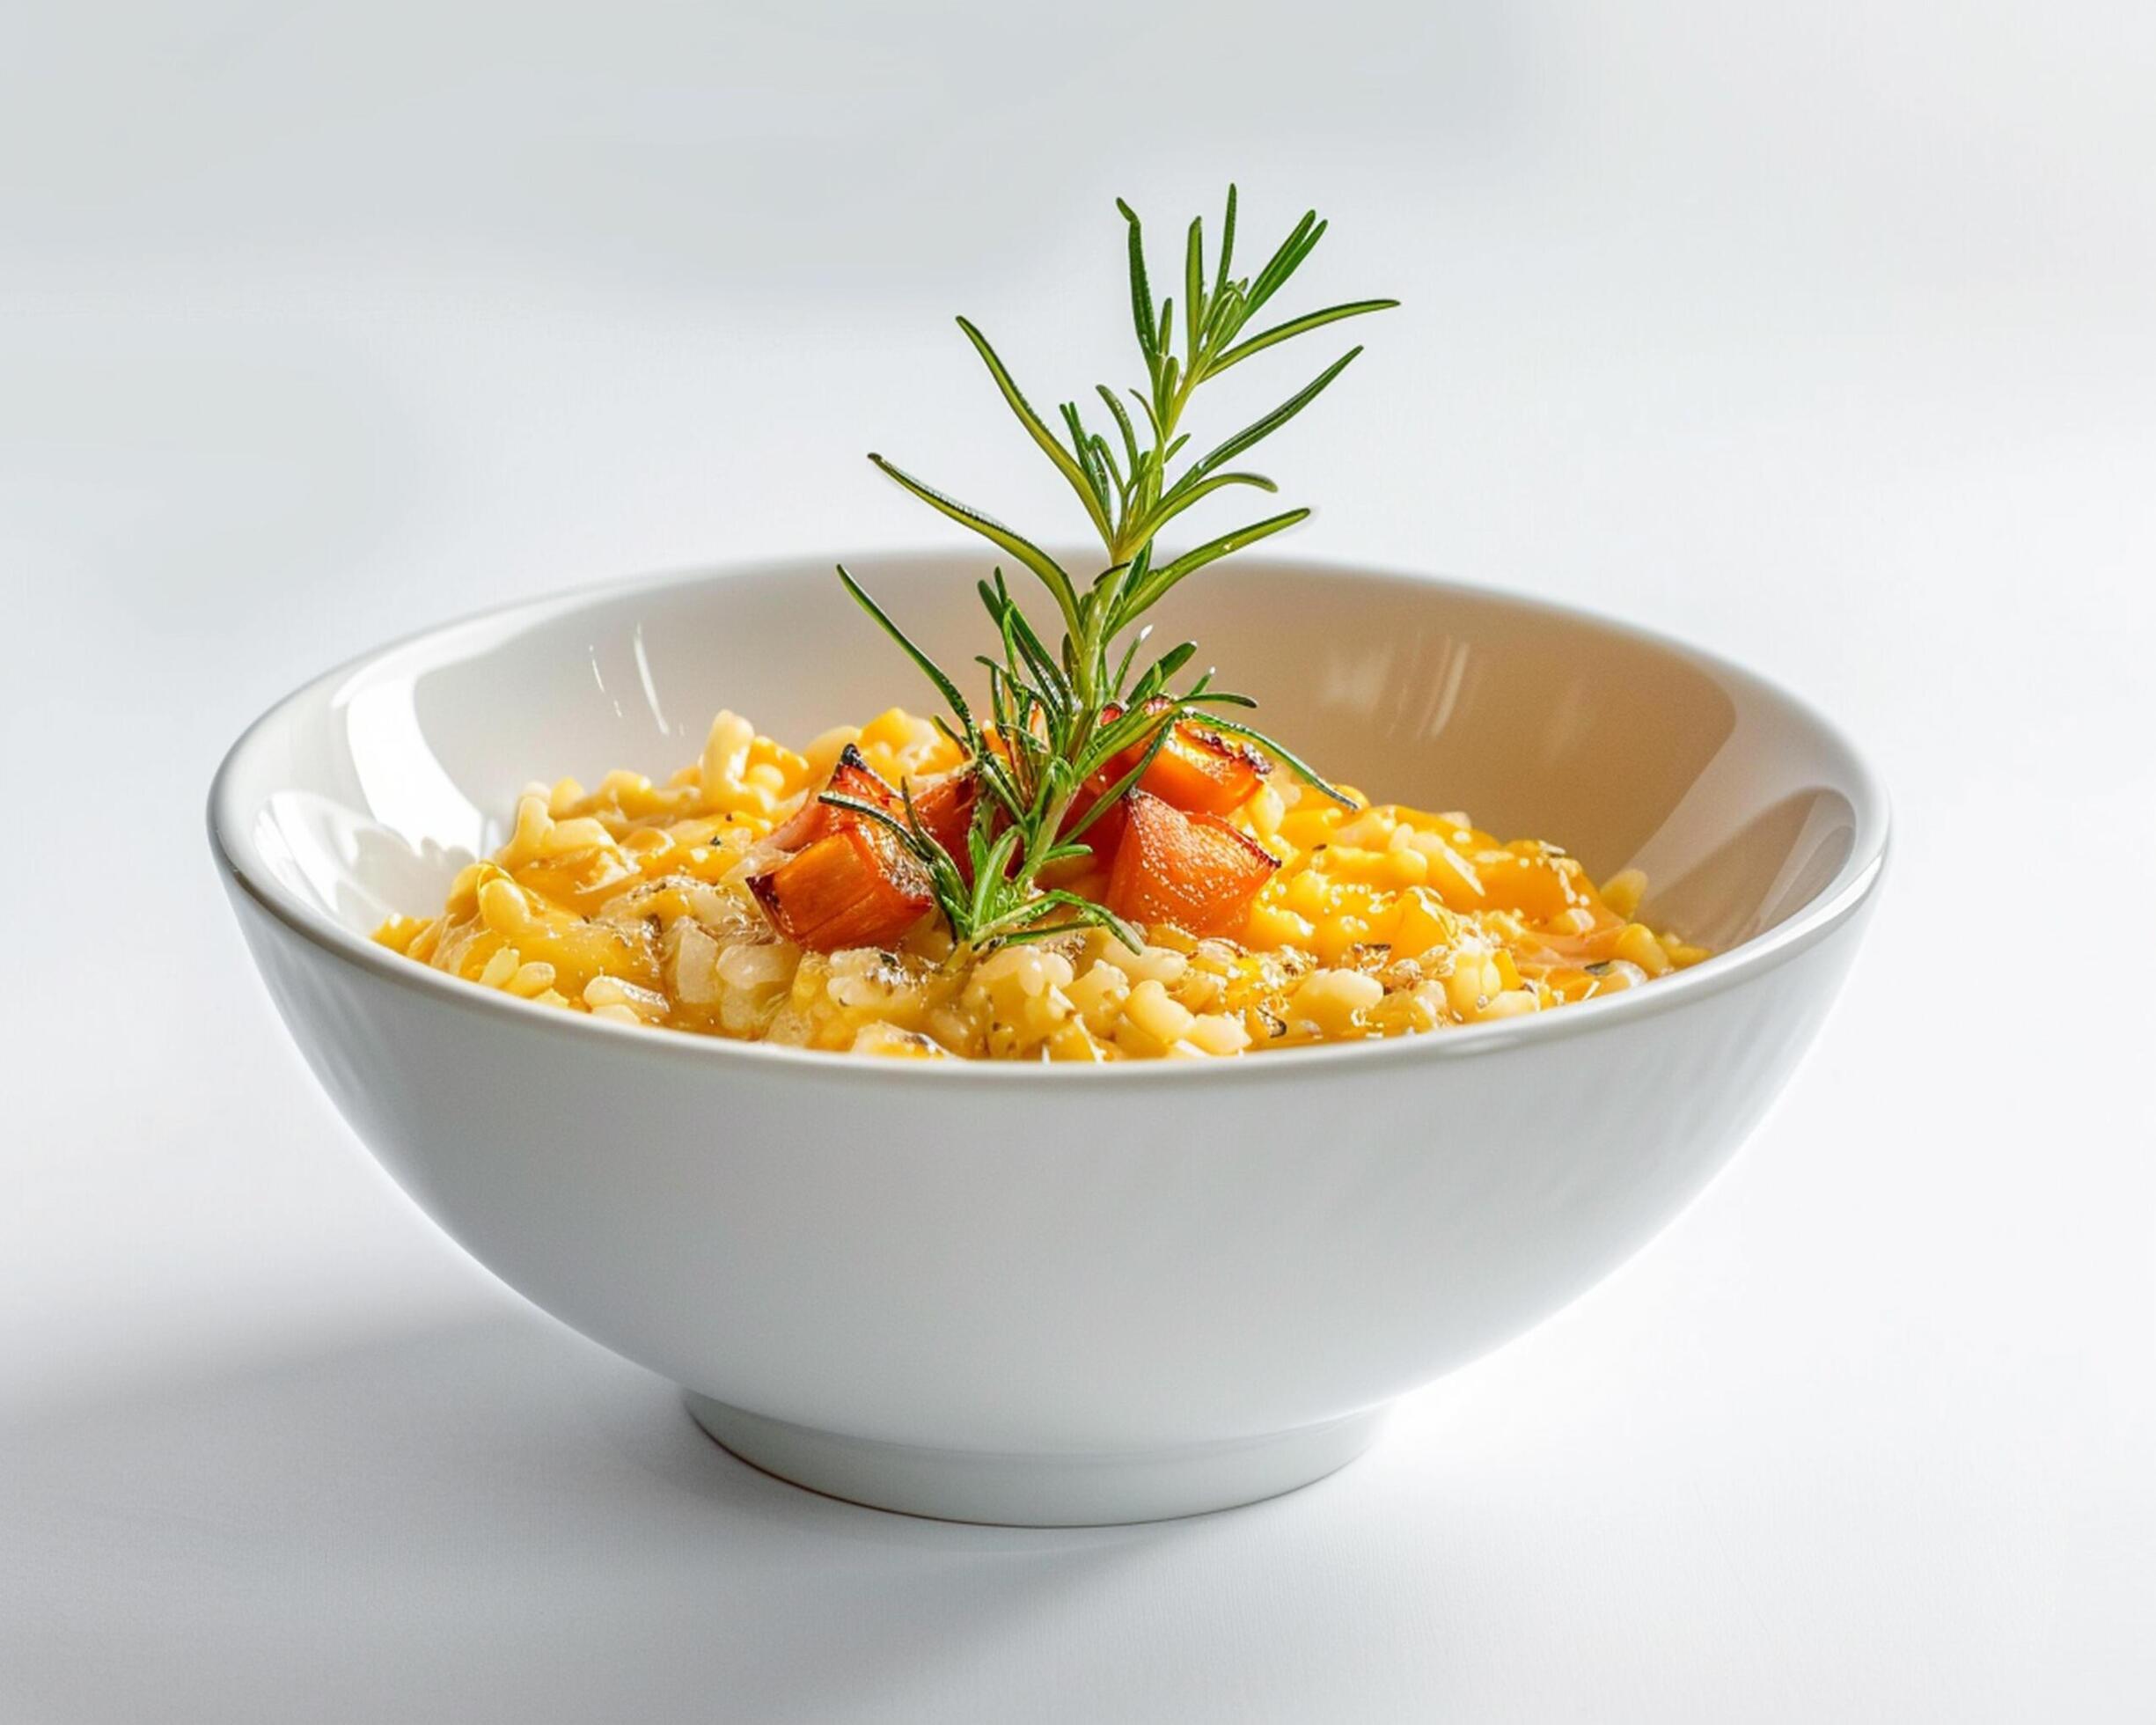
(661, 905)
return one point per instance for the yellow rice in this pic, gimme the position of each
(629, 901)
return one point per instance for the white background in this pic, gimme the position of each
(1820, 336)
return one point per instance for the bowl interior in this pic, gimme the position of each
(364, 792)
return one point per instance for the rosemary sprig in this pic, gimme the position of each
(1057, 716)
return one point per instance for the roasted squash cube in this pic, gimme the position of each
(856, 886)
(1194, 870)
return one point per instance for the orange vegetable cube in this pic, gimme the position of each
(1194, 870)
(944, 807)
(855, 886)
(1197, 770)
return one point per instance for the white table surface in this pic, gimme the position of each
(1824, 340)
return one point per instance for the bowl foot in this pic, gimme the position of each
(1038, 1490)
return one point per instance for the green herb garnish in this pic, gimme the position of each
(1060, 716)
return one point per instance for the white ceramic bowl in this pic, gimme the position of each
(1050, 1293)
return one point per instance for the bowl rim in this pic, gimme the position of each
(1843, 898)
